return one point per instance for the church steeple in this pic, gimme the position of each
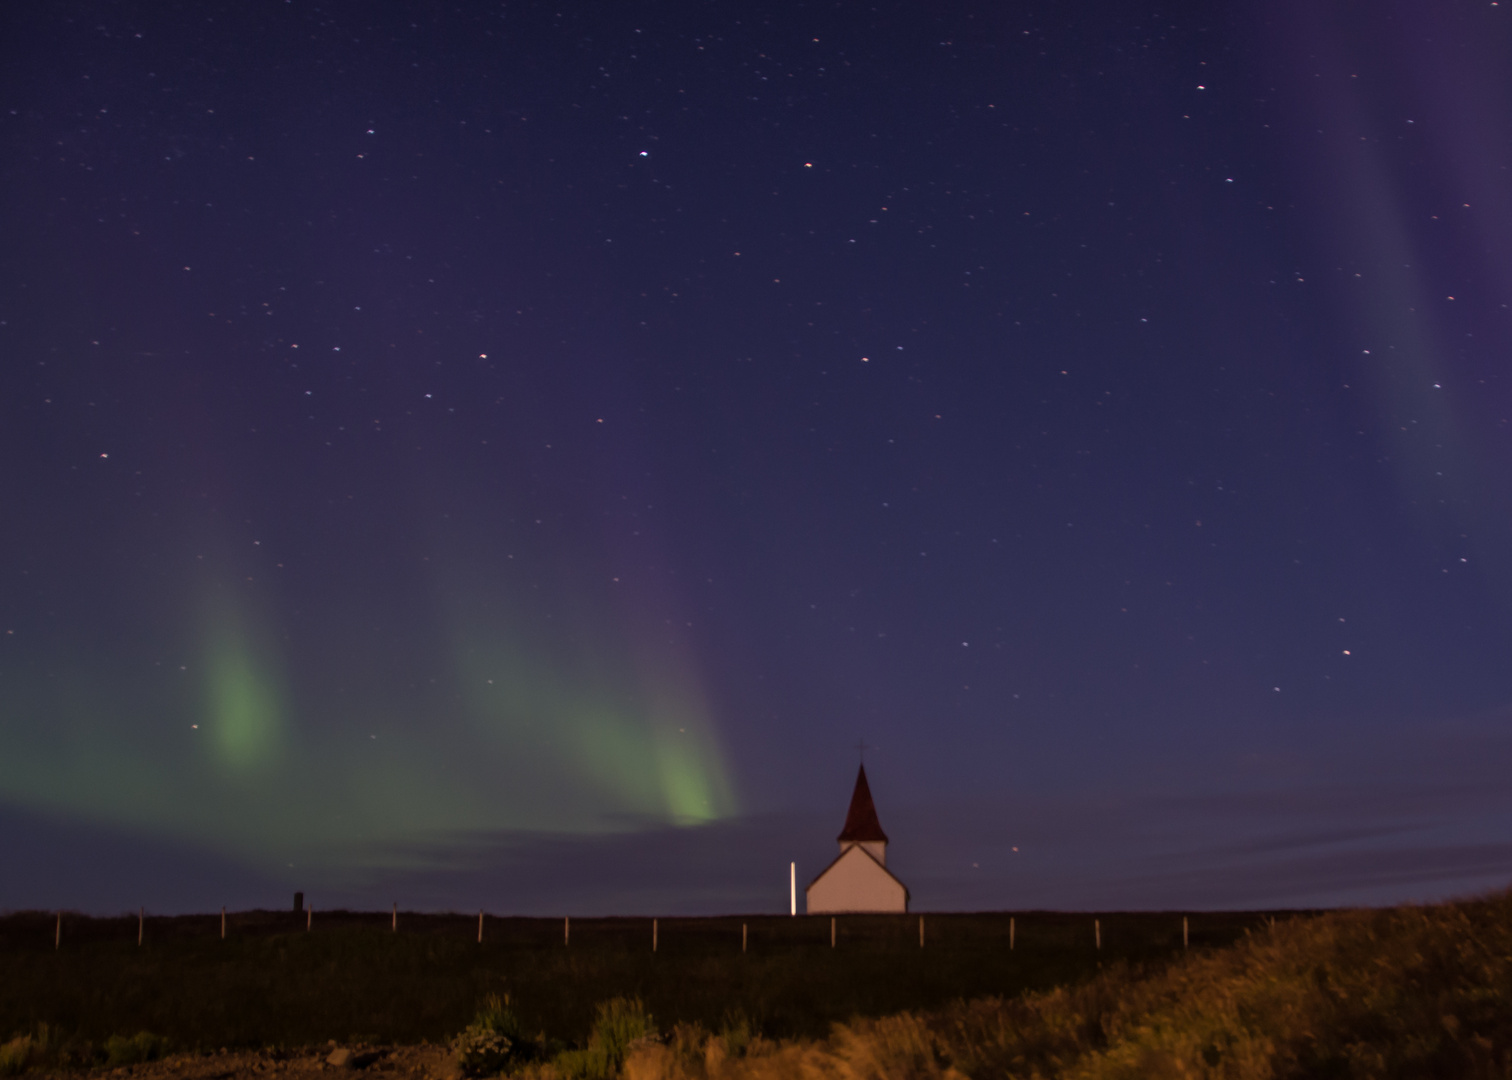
(861, 824)
(858, 879)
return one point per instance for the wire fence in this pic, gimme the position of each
(999, 931)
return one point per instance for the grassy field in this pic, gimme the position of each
(1385, 994)
(350, 978)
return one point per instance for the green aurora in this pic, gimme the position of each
(284, 750)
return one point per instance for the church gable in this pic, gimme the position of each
(855, 881)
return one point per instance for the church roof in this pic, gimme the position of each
(861, 824)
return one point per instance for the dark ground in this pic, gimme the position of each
(376, 1063)
(270, 983)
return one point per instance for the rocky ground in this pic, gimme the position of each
(424, 1062)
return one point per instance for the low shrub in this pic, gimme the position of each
(621, 1025)
(44, 1047)
(736, 1033)
(493, 1041)
(16, 1055)
(134, 1049)
(482, 1053)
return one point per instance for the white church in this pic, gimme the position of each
(858, 879)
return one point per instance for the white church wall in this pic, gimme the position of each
(855, 882)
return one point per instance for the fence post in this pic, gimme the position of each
(921, 931)
(58, 933)
(309, 918)
(1184, 938)
(1097, 931)
(653, 935)
(566, 930)
(480, 926)
(395, 927)
(742, 937)
(832, 931)
(141, 918)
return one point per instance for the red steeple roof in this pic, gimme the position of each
(861, 824)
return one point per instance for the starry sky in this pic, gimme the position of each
(512, 454)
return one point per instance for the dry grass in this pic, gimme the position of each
(1404, 992)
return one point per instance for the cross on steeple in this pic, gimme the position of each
(861, 748)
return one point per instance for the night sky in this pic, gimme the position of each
(510, 454)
